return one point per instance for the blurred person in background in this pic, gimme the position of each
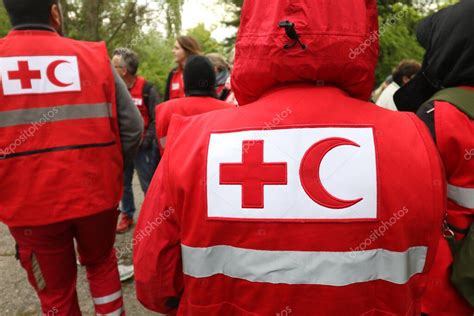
(403, 73)
(64, 182)
(376, 94)
(222, 70)
(145, 97)
(199, 87)
(184, 47)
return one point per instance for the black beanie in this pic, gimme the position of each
(199, 77)
(29, 11)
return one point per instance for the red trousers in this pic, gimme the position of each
(47, 254)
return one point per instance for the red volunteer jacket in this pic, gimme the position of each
(176, 85)
(186, 107)
(137, 95)
(227, 237)
(305, 200)
(455, 141)
(60, 146)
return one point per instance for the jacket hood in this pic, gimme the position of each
(340, 39)
(448, 62)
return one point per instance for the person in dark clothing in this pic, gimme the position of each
(199, 87)
(442, 94)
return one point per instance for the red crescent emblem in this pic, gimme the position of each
(51, 72)
(310, 176)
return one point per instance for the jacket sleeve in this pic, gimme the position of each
(153, 100)
(168, 85)
(129, 120)
(157, 247)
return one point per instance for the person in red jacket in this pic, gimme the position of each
(307, 198)
(184, 47)
(68, 126)
(145, 97)
(443, 94)
(199, 83)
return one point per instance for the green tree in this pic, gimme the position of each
(118, 22)
(4, 22)
(397, 38)
(156, 59)
(203, 35)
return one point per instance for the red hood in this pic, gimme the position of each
(341, 39)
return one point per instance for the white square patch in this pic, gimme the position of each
(39, 74)
(293, 174)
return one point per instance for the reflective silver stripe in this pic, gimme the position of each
(304, 267)
(462, 196)
(163, 142)
(107, 299)
(54, 114)
(118, 312)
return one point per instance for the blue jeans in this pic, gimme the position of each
(145, 163)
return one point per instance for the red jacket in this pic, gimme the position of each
(175, 85)
(305, 200)
(455, 141)
(60, 147)
(185, 107)
(137, 95)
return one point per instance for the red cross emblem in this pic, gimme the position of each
(24, 74)
(253, 174)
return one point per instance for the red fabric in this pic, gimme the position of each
(409, 175)
(177, 85)
(137, 95)
(53, 247)
(341, 41)
(186, 107)
(64, 184)
(454, 137)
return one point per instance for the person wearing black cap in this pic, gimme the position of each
(199, 87)
(68, 127)
(443, 95)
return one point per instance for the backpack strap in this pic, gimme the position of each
(146, 92)
(463, 99)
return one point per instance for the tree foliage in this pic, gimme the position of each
(4, 22)
(397, 38)
(203, 35)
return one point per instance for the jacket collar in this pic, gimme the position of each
(33, 26)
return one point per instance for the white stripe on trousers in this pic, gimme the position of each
(107, 299)
(118, 312)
